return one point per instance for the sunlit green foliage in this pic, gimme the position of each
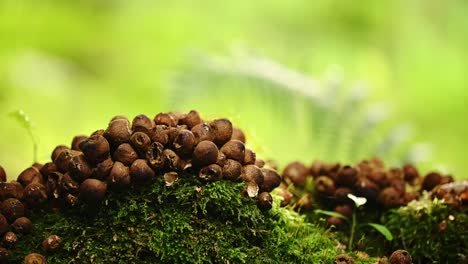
(72, 65)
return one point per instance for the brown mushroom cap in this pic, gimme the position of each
(92, 191)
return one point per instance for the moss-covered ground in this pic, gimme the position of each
(189, 222)
(194, 222)
(431, 230)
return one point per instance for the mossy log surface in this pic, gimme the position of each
(195, 222)
(188, 222)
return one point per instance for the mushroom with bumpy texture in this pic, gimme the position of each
(251, 173)
(30, 175)
(118, 131)
(3, 224)
(92, 191)
(389, 198)
(184, 142)
(9, 240)
(191, 119)
(232, 170)
(62, 162)
(12, 209)
(165, 119)
(250, 157)
(324, 185)
(35, 194)
(296, 173)
(271, 180)
(140, 142)
(205, 153)
(202, 132)
(155, 157)
(141, 172)
(347, 176)
(34, 258)
(52, 243)
(400, 257)
(265, 201)
(431, 180)
(368, 189)
(22, 225)
(343, 259)
(119, 176)
(11, 189)
(79, 168)
(125, 154)
(234, 149)
(75, 145)
(96, 148)
(3, 176)
(222, 129)
(142, 123)
(211, 172)
(238, 134)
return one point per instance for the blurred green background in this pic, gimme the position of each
(72, 65)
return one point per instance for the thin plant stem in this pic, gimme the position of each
(31, 135)
(25, 122)
(353, 227)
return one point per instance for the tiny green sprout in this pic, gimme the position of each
(358, 202)
(331, 213)
(25, 122)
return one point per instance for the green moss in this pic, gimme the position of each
(189, 222)
(431, 231)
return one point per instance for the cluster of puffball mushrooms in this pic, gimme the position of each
(131, 153)
(383, 187)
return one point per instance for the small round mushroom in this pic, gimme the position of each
(222, 129)
(52, 243)
(3, 176)
(9, 240)
(92, 191)
(22, 225)
(12, 209)
(343, 259)
(400, 257)
(325, 186)
(35, 194)
(296, 173)
(271, 180)
(3, 224)
(34, 258)
(251, 173)
(265, 201)
(205, 153)
(234, 149)
(211, 172)
(232, 170)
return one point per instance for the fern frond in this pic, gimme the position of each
(322, 119)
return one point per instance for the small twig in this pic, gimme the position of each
(298, 228)
(403, 239)
(353, 227)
